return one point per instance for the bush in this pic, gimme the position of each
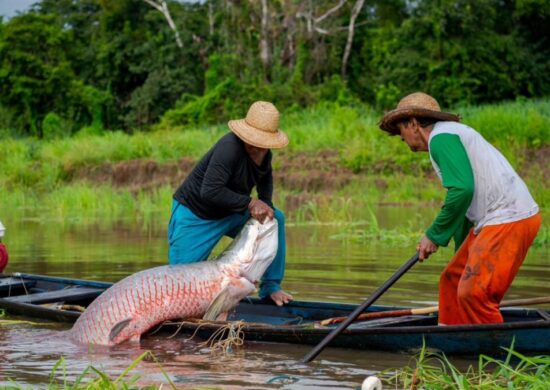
(53, 126)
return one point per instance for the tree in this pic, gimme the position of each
(162, 7)
(35, 75)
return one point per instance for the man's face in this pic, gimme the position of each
(254, 152)
(412, 133)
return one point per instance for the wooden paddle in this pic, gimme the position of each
(381, 290)
(427, 310)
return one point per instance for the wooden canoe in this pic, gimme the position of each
(48, 298)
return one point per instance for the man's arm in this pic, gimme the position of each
(458, 177)
(219, 172)
(265, 188)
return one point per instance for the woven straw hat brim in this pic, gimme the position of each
(257, 137)
(389, 121)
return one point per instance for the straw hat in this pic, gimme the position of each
(419, 105)
(260, 128)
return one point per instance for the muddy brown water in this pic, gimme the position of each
(319, 267)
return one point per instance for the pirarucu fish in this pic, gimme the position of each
(207, 289)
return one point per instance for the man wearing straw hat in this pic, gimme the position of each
(488, 210)
(215, 199)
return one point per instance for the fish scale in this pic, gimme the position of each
(147, 298)
(151, 296)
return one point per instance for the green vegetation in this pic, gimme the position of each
(107, 65)
(110, 84)
(435, 371)
(86, 84)
(41, 176)
(92, 378)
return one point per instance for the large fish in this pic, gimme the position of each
(208, 289)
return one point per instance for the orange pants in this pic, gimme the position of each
(476, 279)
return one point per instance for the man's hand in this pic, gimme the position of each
(281, 298)
(260, 210)
(425, 248)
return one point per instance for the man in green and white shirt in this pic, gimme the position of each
(488, 210)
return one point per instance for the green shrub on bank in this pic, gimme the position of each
(351, 129)
(37, 174)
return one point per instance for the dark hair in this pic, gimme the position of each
(423, 122)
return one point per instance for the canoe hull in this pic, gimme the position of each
(406, 334)
(528, 330)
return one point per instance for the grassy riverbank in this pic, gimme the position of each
(337, 166)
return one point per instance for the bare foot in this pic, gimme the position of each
(281, 298)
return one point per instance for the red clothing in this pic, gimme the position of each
(477, 277)
(3, 257)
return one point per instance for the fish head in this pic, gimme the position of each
(253, 250)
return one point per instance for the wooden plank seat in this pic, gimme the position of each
(62, 295)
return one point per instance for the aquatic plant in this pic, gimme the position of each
(432, 370)
(92, 378)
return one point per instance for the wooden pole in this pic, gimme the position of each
(427, 310)
(361, 308)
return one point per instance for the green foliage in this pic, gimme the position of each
(37, 78)
(115, 64)
(34, 82)
(53, 126)
(7, 122)
(40, 173)
(92, 378)
(459, 51)
(435, 371)
(514, 127)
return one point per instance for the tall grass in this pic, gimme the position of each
(435, 371)
(36, 175)
(351, 130)
(93, 378)
(512, 127)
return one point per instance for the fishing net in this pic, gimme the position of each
(224, 339)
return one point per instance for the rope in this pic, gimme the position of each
(218, 342)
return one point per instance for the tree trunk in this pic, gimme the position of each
(351, 31)
(210, 18)
(162, 7)
(265, 52)
(288, 55)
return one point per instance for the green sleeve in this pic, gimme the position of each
(458, 178)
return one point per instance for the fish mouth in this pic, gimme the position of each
(255, 261)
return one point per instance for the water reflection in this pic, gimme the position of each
(318, 268)
(29, 354)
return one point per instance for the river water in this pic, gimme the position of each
(321, 266)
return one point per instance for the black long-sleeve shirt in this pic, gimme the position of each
(222, 181)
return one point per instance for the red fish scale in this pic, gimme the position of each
(148, 298)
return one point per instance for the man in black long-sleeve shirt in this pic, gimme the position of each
(215, 199)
